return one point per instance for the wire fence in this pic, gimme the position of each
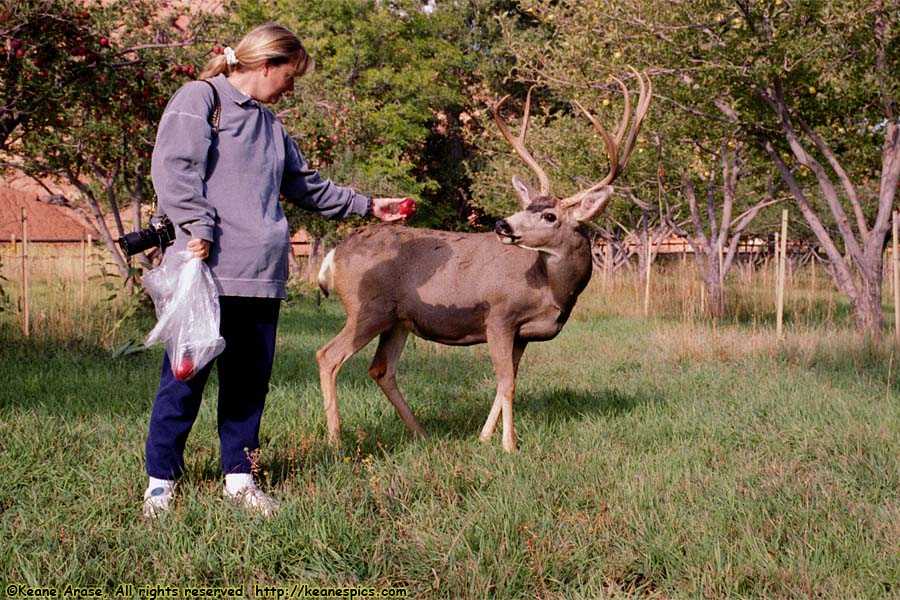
(76, 274)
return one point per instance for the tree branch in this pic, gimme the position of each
(843, 275)
(777, 102)
(841, 174)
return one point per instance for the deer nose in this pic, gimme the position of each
(502, 228)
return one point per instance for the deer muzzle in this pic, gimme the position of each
(505, 232)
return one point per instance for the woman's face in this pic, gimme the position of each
(276, 80)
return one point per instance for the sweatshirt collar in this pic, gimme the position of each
(231, 92)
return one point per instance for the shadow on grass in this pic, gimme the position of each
(463, 420)
(460, 422)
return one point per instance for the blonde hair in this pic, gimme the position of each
(268, 43)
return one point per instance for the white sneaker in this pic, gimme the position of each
(254, 499)
(156, 501)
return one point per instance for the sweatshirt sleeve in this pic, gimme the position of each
(305, 187)
(178, 167)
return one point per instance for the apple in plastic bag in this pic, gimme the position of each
(184, 369)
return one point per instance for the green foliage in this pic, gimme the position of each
(710, 54)
(558, 50)
(47, 45)
(822, 55)
(370, 114)
(83, 90)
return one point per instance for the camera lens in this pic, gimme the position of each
(161, 232)
(138, 241)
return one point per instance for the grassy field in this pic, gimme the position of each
(658, 458)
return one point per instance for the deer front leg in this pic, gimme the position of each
(331, 357)
(505, 356)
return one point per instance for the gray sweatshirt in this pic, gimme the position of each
(226, 189)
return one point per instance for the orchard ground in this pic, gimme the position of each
(658, 458)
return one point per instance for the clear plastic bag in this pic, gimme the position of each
(187, 312)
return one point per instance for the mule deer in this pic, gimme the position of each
(507, 288)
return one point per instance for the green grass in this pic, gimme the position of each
(656, 459)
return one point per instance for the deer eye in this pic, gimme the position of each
(549, 217)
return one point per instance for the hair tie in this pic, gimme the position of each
(230, 57)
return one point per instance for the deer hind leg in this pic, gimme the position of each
(506, 366)
(384, 371)
(331, 357)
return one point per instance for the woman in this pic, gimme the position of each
(221, 188)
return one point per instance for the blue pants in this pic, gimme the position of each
(244, 367)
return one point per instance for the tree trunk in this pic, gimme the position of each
(866, 304)
(100, 222)
(709, 273)
(715, 299)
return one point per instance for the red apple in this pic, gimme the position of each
(407, 207)
(184, 369)
(104, 42)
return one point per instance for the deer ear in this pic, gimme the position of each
(524, 191)
(592, 204)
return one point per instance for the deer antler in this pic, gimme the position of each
(518, 143)
(617, 163)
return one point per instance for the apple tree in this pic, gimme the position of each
(81, 91)
(813, 87)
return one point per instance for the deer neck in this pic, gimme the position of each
(568, 271)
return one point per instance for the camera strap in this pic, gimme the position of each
(216, 111)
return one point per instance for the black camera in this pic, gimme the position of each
(159, 232)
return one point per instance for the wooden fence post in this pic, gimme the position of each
(721, 252)
(607, 265)
(775, 262)
(782, 269)
(26, 317)
(895, 259)
(647, 283)
(83, 266)
(813, 276)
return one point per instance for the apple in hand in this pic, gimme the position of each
(407, 207)
(184, 369)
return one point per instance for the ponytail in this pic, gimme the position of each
(269, 43)
(214, 66)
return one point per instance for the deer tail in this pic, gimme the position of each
(326, 273)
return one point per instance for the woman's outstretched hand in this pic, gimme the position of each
(393, 209)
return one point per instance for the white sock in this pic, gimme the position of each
(234, 482)
(163, 483)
